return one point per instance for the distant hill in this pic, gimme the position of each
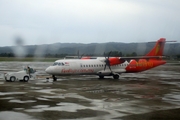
(92, 48)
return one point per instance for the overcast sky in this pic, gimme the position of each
(88, 21)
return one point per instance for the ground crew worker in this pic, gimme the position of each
(28, 71)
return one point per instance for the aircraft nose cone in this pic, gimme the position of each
(48, 70)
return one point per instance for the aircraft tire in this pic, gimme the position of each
(12, 78)
(26, 78)
(116, 76)
(101, 77)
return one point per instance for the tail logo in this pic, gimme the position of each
(157, 49)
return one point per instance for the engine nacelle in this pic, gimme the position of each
(116, 61)
(86, 58)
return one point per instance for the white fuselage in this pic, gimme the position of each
(84, 67)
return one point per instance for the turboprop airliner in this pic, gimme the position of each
(109, 66)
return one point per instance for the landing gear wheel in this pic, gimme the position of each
(54, 78)
(116, 76)
(12, 78)
(26, 78)
(101, 77)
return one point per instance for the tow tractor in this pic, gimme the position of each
(24, 75)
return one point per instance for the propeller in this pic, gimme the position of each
(78, 54)
(79, 57)
(82, 55)
(107, 61)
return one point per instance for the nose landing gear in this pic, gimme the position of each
(54, 78)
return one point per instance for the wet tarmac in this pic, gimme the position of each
(153, 94)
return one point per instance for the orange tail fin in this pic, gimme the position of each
(158, 48)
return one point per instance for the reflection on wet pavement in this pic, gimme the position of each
(9, 115)
(87, 97)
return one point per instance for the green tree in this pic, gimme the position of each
(134, 54)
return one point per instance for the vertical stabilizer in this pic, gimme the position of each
(158, 48)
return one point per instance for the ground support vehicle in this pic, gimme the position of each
(24, 75)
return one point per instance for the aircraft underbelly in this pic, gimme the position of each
(119, 70)
(77, 72)
(108, 72)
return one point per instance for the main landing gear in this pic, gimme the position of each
(115, 76)
(101, 77)
(108, 63)
(53, 77)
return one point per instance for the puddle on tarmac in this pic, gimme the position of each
(7, 98)
(11, 93)
(49, 91)
(45, 83)
(36, 88)
(9, 115)
(41, 106)
(41, 98)
(69, 107)
(1, 82)
(20, 101)
(173, 98)
(18, 109)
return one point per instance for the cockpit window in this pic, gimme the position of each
(58, 63)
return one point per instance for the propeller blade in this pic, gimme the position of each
(109, 54)
(105, 55)
(82, 55)
(107, 61)
(110, 69)
(104, 67)
(78, 54)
